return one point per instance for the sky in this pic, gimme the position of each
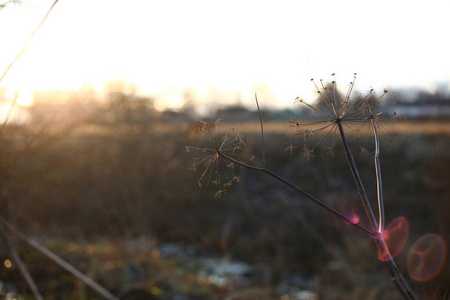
(223, 52)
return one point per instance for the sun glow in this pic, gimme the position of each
(25, 99)
(202, 44)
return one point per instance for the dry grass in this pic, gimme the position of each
(422, 127)
(426, 127)
(113, 182)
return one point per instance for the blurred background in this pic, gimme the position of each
(96, 114)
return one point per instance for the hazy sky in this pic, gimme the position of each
(231, 48)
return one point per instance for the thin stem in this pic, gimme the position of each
(22, 268)
(357, 178)
(58, 260)
(262, 131)
(334, 105)
(300, 191)
(28, 41)
(396, 275)
(379, 180)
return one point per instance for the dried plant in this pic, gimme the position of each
(215, 169)
(355, 111)
(332, 116)
(4, 224)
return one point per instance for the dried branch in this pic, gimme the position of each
(397, 276)
(300, 191)
(58, 260)
(22, 268)
(376, 158)
(262, 132)
(28, 41)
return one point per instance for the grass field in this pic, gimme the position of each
(109, 199)
(423, 127)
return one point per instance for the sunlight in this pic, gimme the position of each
(16, 115)
(171, 100)
(25, 99)
(157, 45)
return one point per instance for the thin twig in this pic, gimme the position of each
(58, 260)
(379, 180)
(357, 178)
(22, 268)
(28, 41)
(262, 132)
(300, 191)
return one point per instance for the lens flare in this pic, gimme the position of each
(395, 237)
(426, 258)
(354, 218)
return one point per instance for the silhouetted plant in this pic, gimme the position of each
(355, 111)
(216, 169)
(336, 114)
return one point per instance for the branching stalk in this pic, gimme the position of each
(301, 192)
(396, 275)
(357, 178)
(335, 114)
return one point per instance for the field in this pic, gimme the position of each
(121, 204)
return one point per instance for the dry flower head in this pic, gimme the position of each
(356, 112)
(216, 170)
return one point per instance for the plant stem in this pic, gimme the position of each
(58, 260)
(28, 41)
(376, 158)
(262, 132)
(397, 276)
(301, 192)
(357, 179)
(22, 268)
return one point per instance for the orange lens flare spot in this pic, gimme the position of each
(426, 258)
(395, 237)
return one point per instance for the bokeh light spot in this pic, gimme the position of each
(426, 258)
(395, 236)
(7, 263)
